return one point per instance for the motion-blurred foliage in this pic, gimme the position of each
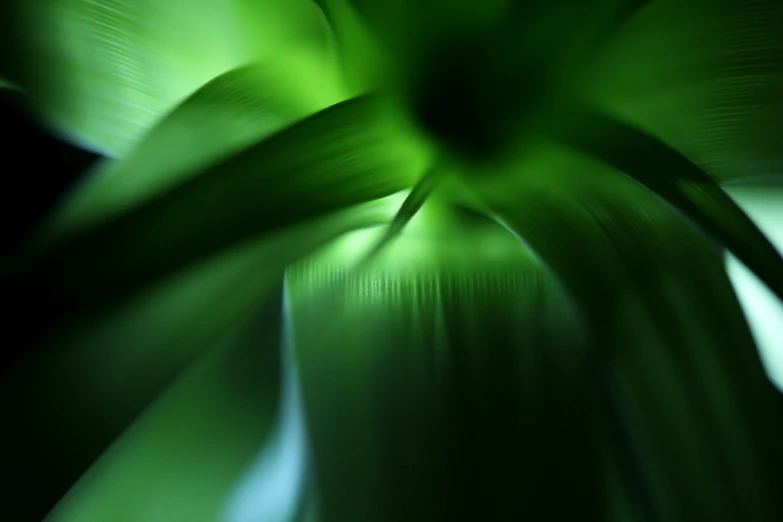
(399, 261)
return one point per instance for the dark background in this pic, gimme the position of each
(37, 169)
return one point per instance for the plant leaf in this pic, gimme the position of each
(181, 459)
(704, 75)
(350, 153)
(678, 180)
(83, 384)
(667, 322)
(362, 61)
(104, 72)
(278, 485)
(412, 204)
(449, 363)
(224, 116)
(636, 487)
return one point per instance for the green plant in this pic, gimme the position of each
(545, 330)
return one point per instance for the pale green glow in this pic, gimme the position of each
(116, 67)
(359, 242)
(763, 310)
(437, 245)
(424, 240)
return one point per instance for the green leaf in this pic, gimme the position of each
(446, 382)
(183, 456)
(86, 382)
(224, 116)
(361, 58)
(703, 75)
(636, 488)
(667, 322)
(348, 154)
(278, 486)
(104, 72)
(678, 180)
(412, 204)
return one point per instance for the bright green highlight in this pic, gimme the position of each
(241, 107)
(438, 237)
(115, 67)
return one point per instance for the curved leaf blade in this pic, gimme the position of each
(182, 457)
(228, 114)
(410, 206)
(448, 362)
(360, 57)
(348, 154)
(104, 72)
(719, 100)
(667, 323)
(100, 371)
(679, 181)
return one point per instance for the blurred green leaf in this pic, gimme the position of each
(410, 206)
(104, 72)
(451, 377)
(86, 382)
(636, 488)
(678, 180)
(278, 486)
(227, 114)
(446, 382)
(348, 154)
(704, 75)
(362, 60)
(182, 457)
(665, 317)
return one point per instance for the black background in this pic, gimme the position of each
(37, 168)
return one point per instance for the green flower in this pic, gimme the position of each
(399, 261)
